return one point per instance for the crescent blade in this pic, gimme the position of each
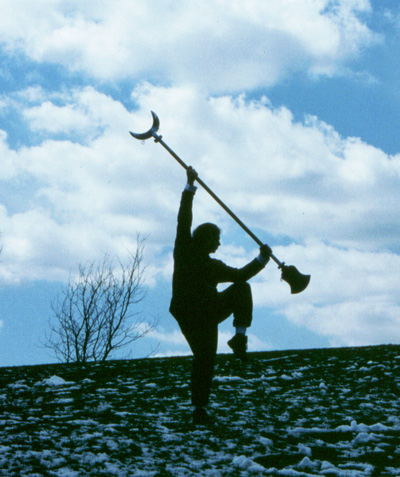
(150, 133)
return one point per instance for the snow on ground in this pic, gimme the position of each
(295, 413)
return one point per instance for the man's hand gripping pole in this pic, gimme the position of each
(296, 280)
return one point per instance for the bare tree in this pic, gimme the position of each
(95, 313)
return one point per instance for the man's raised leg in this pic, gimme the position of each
(237, 299)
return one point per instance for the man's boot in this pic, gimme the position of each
(239, 346)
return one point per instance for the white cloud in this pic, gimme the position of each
(85, 188)
(220, 46)
(287, 178)
(170, 353)
(335, 198)
(8, 167)
(352, 298)
(83, 112)
(173, 343)
(53, 119)
(366, 321)
(167, 337)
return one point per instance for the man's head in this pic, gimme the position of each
(206, 237)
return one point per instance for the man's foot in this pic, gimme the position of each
(239, 346)
(200, 417)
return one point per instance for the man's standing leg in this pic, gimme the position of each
(203, 341)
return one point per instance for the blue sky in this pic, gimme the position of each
(288, 110)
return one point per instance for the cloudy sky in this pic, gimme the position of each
(288, 110)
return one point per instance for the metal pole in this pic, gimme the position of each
(158, 138)
(297, 281)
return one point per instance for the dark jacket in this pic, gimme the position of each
(196, 276)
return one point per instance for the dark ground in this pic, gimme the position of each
(293, 413)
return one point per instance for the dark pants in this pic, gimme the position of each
(201, 332)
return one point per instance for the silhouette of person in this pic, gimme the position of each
(196, 303)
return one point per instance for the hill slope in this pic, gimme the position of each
(311, 412)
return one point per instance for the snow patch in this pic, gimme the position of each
(54, 381)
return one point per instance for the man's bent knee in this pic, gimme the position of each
(242, 289)
(242, 305)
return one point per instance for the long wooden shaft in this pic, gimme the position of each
(159, 139)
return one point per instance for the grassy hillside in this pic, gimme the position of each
(292, 413)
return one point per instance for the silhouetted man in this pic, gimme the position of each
(198, 306)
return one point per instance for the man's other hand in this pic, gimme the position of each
(265, 251)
